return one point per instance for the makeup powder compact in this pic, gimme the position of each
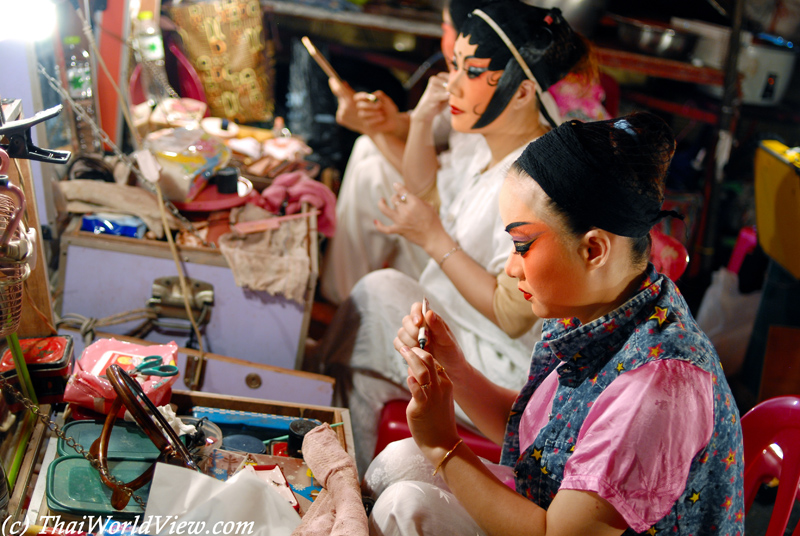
(244, 443)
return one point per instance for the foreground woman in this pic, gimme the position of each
(626, 423)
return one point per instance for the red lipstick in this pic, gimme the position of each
(455, 111)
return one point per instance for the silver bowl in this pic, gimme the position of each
(655, 38)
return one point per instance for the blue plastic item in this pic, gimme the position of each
(152, 365)
(776, 40)
(261, 425)
(114, 224)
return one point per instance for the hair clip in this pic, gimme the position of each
(624, 124)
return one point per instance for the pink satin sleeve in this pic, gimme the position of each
(537, 410)
(636, 445)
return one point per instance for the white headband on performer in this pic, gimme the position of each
(545, 98)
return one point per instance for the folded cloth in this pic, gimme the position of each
(275, 261)
(338, 509)
(284, 148)
(296, 188)
(98, 196)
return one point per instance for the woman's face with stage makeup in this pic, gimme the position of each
(545, 258)
(471, 86)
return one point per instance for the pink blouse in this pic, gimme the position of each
(637, 443)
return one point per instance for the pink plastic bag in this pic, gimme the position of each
(88, 386)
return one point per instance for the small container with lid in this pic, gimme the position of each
(297, 432)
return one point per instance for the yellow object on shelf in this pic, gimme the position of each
(777, 190)
(261, 134)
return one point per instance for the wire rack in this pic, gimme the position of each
(12, 274)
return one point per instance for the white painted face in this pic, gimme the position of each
(471, 86)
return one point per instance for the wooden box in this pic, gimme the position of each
(185, 401)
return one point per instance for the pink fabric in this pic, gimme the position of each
(297, 188)
(576, 100)
(537, 411)
(337, 510)
(635, 448)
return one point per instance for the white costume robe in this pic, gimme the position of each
(410, 501)
(358, 248)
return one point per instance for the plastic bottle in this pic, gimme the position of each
(150, 54)
(79, 86)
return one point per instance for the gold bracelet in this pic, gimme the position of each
(446, 255)
(446, 457)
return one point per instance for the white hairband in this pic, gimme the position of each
(545, 98)
(514, 52)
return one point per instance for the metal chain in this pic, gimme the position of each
(56, 86)
(159, 76)
(68, 440)
(78, 109)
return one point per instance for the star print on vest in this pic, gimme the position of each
(569, 322)
(660, 315)
(730, 459)
(605, 335)
(656, 351)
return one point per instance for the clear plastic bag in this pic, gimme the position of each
(727, 316)
(88, 386)
(188, 159)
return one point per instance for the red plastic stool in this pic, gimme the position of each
(393, 426)
(668, 255)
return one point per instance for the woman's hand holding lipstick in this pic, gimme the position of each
(422, 337)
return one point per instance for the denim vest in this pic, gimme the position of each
(654, 324)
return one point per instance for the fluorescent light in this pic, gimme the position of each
(31, 20)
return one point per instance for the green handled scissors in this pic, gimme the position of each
(152, 365)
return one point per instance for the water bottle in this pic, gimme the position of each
(150, 54)
(79, 86)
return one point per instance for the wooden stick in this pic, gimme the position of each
(320, 59)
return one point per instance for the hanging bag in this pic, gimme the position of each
(228, 46)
